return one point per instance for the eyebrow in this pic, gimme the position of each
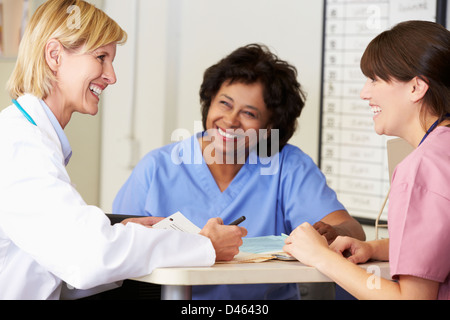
(247, 105)
(101, 53)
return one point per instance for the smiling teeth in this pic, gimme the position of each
(96, 90)
(225, 134)
(376, 110)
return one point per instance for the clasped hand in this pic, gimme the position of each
(309, 246)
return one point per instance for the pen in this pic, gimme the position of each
(237, 221)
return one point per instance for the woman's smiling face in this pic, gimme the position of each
(236, 115)
(83, 77)
(389, 102)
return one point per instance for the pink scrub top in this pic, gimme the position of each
(419, 213)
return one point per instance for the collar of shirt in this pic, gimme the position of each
(65, 145)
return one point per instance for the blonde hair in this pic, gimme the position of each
(75, 24)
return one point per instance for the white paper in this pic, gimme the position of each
(402, 10)
(178, 222)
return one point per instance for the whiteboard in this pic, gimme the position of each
(352, 156)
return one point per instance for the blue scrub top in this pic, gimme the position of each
(176, 178)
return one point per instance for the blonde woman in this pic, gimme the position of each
(408, 90)
(48, 234)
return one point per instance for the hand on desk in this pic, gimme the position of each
(326, 230)
(358, 251)
(308, 245)
(225, 239)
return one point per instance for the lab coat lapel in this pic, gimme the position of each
(33, 107)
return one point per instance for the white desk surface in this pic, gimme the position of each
(273, 271)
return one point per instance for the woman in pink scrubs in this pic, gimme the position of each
(408, 90)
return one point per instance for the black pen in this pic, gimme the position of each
(237, 221)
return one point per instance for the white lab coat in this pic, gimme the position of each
(49, 235)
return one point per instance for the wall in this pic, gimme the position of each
(175, 41)
(6, 67)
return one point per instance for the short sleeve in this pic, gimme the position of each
(418, 230)
(305, 194)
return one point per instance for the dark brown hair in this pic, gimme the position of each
(413, 49)
(253, 63)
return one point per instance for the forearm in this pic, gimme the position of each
(360, 283)
(367, 284)
(343, 225)
(380, 249)
(310, 247)
(350, 228)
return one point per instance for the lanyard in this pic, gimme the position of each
(432, 128)
(26, 115)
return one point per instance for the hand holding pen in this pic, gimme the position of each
(226, 239)
(237, 221)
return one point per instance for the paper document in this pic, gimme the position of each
(246, 257)
(260, 249)
(266, 244)
(178, 222)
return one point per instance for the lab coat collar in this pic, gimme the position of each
(65, 145)
(36, 108)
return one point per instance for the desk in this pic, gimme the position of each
(177, 282)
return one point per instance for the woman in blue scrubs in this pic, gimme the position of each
(241, 165)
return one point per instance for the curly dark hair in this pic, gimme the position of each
(253, 63)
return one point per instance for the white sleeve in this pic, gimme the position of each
(70, 293)
(44, 215)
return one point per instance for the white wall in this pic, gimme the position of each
(170, 45)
